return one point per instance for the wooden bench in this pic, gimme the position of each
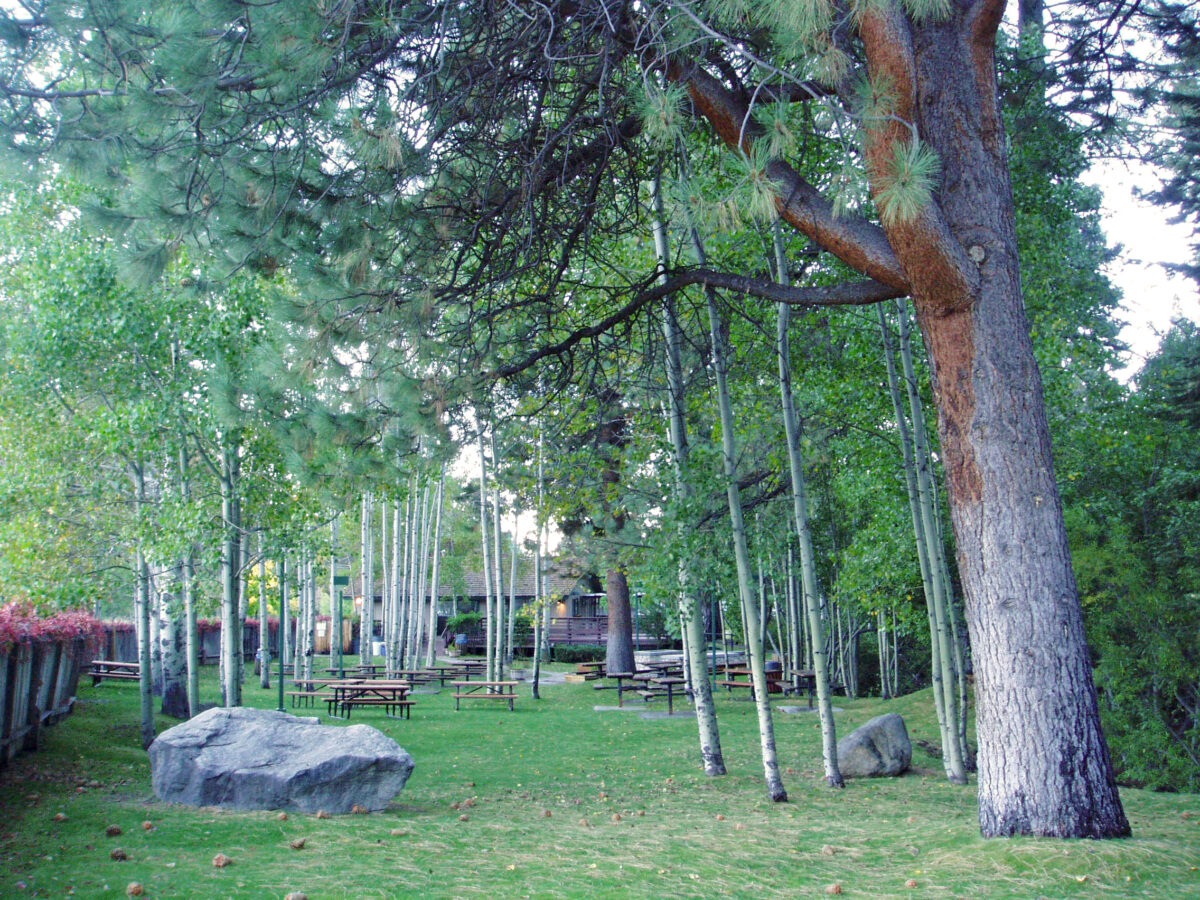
(485, 690)
(400, 709)
(115, 670)
(304, 698)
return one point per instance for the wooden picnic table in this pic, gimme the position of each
(590, 670)
(664, 669)
(115, 670)
(485, 690)
(443, 673)
(774, 685)
(389, 695)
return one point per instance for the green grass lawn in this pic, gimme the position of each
(557, 799)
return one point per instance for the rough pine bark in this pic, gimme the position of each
(1044, 766)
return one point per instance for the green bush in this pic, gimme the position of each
(577, 653)
(464, 622)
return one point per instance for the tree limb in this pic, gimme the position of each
(859, 243)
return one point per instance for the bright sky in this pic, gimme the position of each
(1152, 295)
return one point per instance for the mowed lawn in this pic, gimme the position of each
(558, 799)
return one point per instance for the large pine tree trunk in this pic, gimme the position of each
(1044, 766)
(619, 655)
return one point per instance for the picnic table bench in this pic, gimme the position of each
(664, 686)
(115, 670)
(391, 696)
(485, 690)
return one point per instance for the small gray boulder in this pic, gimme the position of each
(880, 747)
(263, 759)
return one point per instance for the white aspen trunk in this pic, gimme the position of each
(156, 649)
(949, 645)
(395, 629)
(171, 638)
(952, 758)
(141, 605)
(691, 614)
(336, 628)
(285, 616)
(403, 583)
(436, 577)
(512, 595)
(385, 568)
(497, 559)
(942, 589)
(230, 632)
(766, 724)
(808, 561)
(489, 621)
(264, 620)
(414, 602)
(422, 617)
(367, 623)
(310, 619)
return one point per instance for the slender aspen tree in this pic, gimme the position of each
(231, 631)
(720, 365)
(808, 561)
(690, 611)
(264, 621)
(489, 620)
(941, 667)
(435, 577)
(285, 614)
(367, 550)
(497, 558)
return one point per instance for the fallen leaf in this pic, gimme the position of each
(616, 817)
(546, 813)
(220, 861)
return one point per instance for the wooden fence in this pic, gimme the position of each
(37, 688)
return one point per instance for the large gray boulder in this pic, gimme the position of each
(262, 759)
(880, 747)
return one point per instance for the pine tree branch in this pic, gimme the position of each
(857, 242)
(928, 251)
(857, 293)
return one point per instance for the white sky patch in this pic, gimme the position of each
(1153, 296)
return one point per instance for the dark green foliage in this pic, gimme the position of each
(577, 653)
